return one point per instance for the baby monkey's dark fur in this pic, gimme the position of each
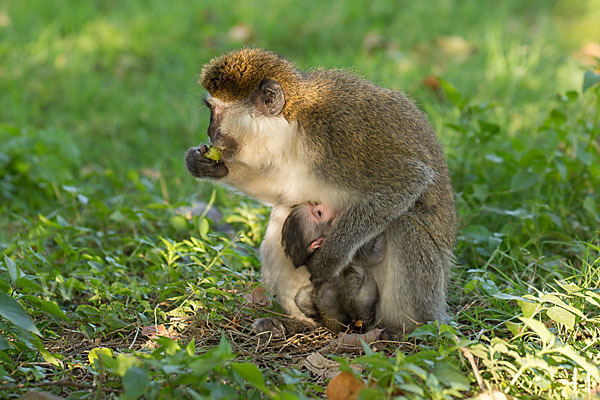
(348, 302)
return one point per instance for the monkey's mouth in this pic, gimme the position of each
(316, 244)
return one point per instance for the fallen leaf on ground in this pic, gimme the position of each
(324, 367)
(241, 33)
(492, 395)
(154, 331)
(454, 46)
(350, 342)
(35, 395)
(258, 297)
(588, 54)
(344, 387)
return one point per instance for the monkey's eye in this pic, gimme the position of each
(319, 213)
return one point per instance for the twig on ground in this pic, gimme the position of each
(469, 356)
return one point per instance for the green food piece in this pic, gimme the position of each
(214, 153)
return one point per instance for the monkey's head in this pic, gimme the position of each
(304, 230)
(250, 93)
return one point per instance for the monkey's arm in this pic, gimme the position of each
(368, 217)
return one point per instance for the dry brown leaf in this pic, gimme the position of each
(588, 54)
(433, 83)
(492, 395)
(154, 331)
(454, 46)
(241, 33)
(350, 342)
(323, 367)
(4, 20)
(258, 297)
(344, 387)
(373, 41)
(35, 395)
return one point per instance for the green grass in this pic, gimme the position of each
(98, 103)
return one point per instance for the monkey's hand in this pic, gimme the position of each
(319, 266)
(202, 167)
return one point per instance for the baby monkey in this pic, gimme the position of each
(349, 301)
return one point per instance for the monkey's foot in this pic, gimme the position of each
(278, 327)
(264, 326)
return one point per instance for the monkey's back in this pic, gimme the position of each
(337, 119)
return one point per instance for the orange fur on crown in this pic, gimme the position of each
(234, 75)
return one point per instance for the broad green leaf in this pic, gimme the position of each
(53, 309)
(26, 285)
(590, 78)
(124, 362)
(553, 299)
(540, 329)
(98, 352)
(169, 346)
(178, 222)
(590, 206)
(590, 368)
(451, 375)
(3, 343)
(204, 228)
(558, 117)
(561, 316)
(514, 328)
(477, 233)
(135, 382)
(452, 94)
(523, 180)
(15, 313)
(251, 374)
(528, 308)
(12, 269)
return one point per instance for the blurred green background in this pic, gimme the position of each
(116, 80)
(99, 102)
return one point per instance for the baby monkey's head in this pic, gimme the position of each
(304, 230)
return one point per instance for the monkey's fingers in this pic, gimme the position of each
(202, 167)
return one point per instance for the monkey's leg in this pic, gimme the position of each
(412, 278)
(280, 277)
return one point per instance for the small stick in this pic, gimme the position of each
(469, 356)
(60, 383)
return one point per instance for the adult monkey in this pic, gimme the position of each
(326, 136)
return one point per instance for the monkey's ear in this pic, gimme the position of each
(269, 98)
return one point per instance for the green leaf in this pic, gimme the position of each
(135, 382)
(590, 78)
(451, 375)
(27, 285)
(523, 180)
(528, 308)
(12, 269)
(3, 343)
(561, 316)
(590, 206)
(15, 313)
(178, 222)
(251, 374)
(551, 298)
(514, 328)
(451, 93)
(98, 352)
(53, 309)
(477, 233)
(488, 127)
(558, 117)
(590, 368)
(540, 329)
